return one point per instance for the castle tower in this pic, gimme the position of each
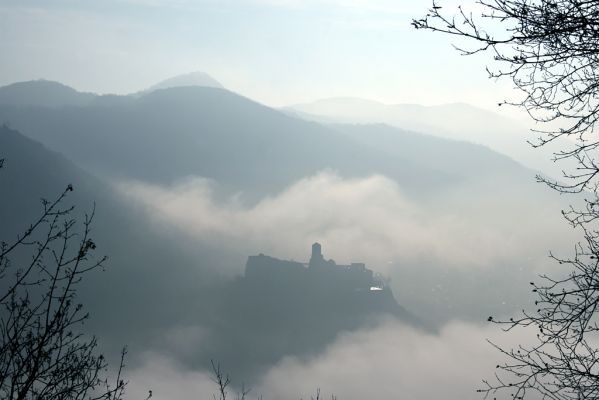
(316, 250)
(317, 260)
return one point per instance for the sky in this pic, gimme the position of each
(278, 52)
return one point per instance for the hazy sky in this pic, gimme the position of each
(275, 51)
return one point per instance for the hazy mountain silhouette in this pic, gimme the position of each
(43, 93)
(222, 136)
(461, 121)
(196, 78)
(46, 93)
(457, 158)
(458, 121)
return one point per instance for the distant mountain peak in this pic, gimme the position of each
(196, 78)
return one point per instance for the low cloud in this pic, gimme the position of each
(439, 253)
(167, 379)
(368, 219)
(393, 361)
(388, 361)
(373, 220)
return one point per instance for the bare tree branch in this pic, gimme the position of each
(549, 49)
(43, 352)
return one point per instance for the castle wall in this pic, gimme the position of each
(268, 270)
(265, 267)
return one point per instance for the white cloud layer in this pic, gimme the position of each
(440, 254)
(389, 361)
(373, 220)
(368, 219)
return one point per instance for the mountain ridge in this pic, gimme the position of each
(457, 121)
(204, 130)
(43, 93)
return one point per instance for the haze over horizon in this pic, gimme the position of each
(277, 52)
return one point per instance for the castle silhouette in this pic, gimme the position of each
(281, 307)
(316, 272)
